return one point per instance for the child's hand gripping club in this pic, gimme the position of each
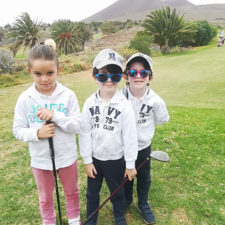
(48, 129)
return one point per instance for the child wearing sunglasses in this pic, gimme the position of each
(150, 110)
(108, 136)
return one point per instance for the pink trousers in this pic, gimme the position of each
(45, 183)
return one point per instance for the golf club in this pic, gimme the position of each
(52, 152)
(157, 155)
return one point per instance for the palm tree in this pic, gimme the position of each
(65, 34)
(25, 31)
(168, 29)
(84, 33)
(2, 33)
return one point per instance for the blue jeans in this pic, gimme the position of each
(143, 178)
(113, 172)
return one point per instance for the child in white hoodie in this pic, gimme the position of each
(48, 100)
(107, 136)
(150, 110)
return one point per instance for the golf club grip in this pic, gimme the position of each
(50, 141)
(117, 189)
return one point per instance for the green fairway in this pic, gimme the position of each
(196, 79)
(189, 190)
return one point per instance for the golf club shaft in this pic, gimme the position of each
(50, 140)
(117, 189)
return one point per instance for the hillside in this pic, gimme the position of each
(137, 10)
(214, 13)
(114, 41)
(124, 9)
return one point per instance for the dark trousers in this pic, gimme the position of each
(143, 178)
(113, 172)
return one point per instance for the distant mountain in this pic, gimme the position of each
(178, 3)
(122, 10)
(126, 9)
(134, 9)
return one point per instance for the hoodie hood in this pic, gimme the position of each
(116, 98)
(33, 92)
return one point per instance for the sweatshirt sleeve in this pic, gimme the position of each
(161, 114)
(129, 132)
(85, 137)
(21, 129)
(69, 123)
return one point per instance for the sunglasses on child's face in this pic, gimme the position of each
(143, 73)
(103, 77)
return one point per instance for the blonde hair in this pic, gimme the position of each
(51, 43)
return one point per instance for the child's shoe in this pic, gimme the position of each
(75, 221)
(147, 213)
(120, 221)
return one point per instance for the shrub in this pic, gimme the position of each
(108, 27)
(142, 43)
(18, 67)
(88, 57)
(6, 61)
(126, 52)
(205, 33)
(129, 24)
(75, 67)
(2, 33)
(6, 80)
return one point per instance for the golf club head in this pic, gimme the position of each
(160, 156)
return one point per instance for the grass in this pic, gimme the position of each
(189, 190)
(195, 79)
(22, 53)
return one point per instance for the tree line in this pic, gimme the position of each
(162, 27)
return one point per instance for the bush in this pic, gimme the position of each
(129, 24)
(72, 68)
(108, 27)
(127, 52)
(142, 43)
(6, 80)
(205, 33)
(2, 33)
(6, 61)
(18, 67)
(88, 57)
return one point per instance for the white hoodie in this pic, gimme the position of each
(150, 110)
(108, 130)
(66, 117)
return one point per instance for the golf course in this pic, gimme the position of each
(188, 190)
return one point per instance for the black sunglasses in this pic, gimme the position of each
(103, 77)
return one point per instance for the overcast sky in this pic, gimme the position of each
(50, 10)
